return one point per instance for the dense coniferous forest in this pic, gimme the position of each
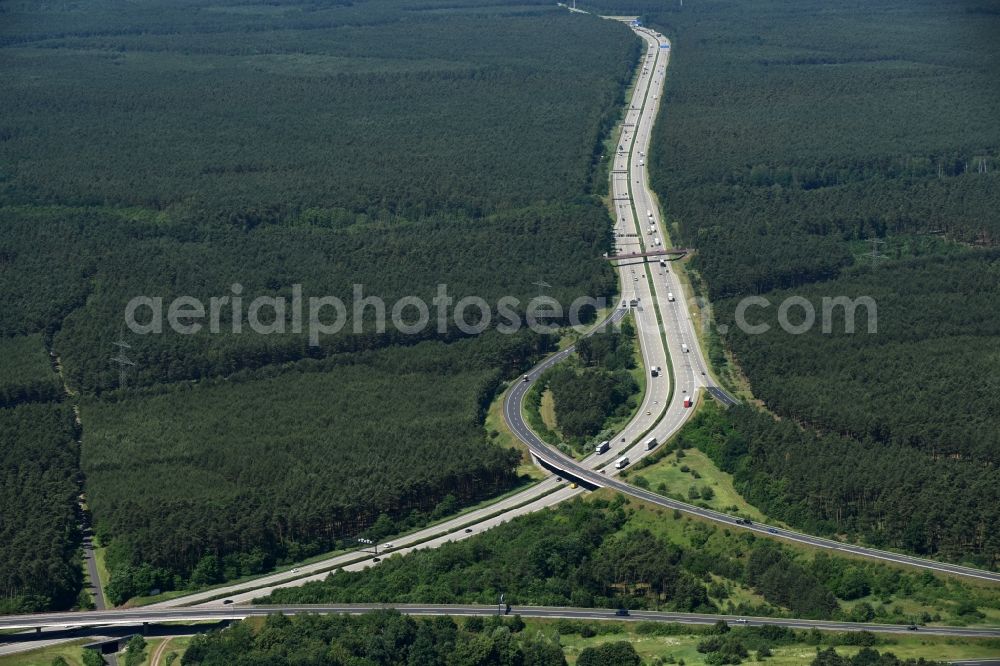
(886, 494)
(182, 148)
(411, 113)
(392, 259)
(792, 136)
(39, 534)
(926, 378)
(28, 375)
(298, 460)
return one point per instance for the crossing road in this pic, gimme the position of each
(140, 616)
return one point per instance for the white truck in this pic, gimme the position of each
(684, 348)
(651, 443)
(602, 447)
(621, 463)
(670, 296)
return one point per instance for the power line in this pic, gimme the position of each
(875, 256)
(122, 360)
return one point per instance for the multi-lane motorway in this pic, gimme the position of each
(667, 340)
(649, 282)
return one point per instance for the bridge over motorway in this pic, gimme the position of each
(663, 251)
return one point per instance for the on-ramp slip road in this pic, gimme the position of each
(634, 198)
(667, 339)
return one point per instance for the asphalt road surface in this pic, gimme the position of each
(140, 616)
(659, 416)
(689, 365)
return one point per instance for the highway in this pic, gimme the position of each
(545, 494)
(664, 326)
(139, 616)
(690, 370)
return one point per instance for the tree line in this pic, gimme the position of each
(40, 566)
(380, 637)
(887, 495)
(606, 553)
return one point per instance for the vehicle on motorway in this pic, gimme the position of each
(388, 546)
(741, 620)
(622, 612)
(688, 402)
(468, 530)
(651, 443)
(649, 213)
(654, 371)
(744, 521)
(525, 378)
(295, 570)
(663, 263)
(912, 627)
(771, 530)
(602, 447)
(376, 559)
(684, 348)
(621, 463)
(634, 302)
(670, 296)
(506, 611)
(227, 601)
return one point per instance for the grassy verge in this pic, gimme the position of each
(100, 555)
(682, 646)
(71, 652)
(676, 473)
(159, 649)
(722, 365)
(500, 434)
(547, 410)
(531, 410)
